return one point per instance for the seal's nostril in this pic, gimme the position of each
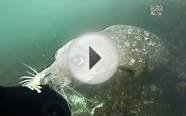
(45, 79)
(49, 74)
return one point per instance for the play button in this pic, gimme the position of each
(92, 58)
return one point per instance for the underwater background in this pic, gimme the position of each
(32, 30)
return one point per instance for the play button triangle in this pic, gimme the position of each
(93, 57)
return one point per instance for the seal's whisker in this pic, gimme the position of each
(32, 69)
(24, 81)
(28, 72)
(26, 77)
